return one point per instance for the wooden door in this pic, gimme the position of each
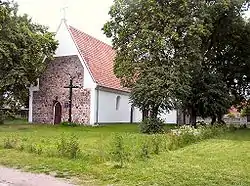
(57, 113)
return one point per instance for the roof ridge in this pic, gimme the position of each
(90, 36)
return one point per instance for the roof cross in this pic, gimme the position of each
(64, 9)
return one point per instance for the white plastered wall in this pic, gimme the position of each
(169, 117)
(107, 112)
(137, 115)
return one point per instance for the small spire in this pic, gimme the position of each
(64, 9)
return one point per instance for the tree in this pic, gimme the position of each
(23, 48)
(225, 56)
(154, 41)
(208, 97)
(199, 42)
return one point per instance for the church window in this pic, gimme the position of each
(117, 104)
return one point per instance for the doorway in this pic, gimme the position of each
(57, 113)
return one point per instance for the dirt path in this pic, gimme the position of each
(13, 177)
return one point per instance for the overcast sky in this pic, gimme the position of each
(86, 15)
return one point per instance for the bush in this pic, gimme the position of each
(68, 147)
(31, 148)
(145, 151)
(9, 143)
(151, 126)
(231, 115)
(68, 124)
(186, 135)
(118, 152)
(201, 123)
(35, 148)
(156, 144)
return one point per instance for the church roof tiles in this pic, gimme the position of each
(99, 58)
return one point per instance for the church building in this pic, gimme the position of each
(97, 97)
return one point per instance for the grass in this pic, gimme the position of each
(222, 160)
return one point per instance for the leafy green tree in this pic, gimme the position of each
(23, 48)
(226, 55)
(208, 97)
(181, 53)
(156, 44)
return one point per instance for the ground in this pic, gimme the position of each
(13, 177)
(223, 160)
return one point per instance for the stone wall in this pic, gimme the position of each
(51, 89)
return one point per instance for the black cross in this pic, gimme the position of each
(70, 97)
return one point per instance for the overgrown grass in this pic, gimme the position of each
(119, 155)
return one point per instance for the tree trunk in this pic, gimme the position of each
(1, 109)
(193, 117)
(220, 120)
(213, 120)
(184, 117)
(145, 114)
(154, 112)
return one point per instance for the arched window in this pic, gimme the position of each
(117, 103)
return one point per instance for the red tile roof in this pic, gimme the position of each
(99, 57)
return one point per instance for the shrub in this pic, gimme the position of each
(231, 115)
(68, 124)
(156, 144)
(144, 150)
(118, 152)
(186, 135)
(151, 126)
(9, 142)
(68, 146)
(39, 149)
(173, 142)
(20, 147)
(201, 123)
(31, 148)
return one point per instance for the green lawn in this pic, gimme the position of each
(220, 161)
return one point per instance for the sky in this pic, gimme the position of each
(86, 15)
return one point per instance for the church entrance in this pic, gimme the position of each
(57, 113)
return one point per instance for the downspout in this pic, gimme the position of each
(97, 104)
(30, 118)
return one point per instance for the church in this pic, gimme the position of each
(97, 96)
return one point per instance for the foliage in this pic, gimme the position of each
(147, 60)
(9, 142)
(192, 55)
(68, 146)
(186, 135)
(68, 124)
(152, 126)
(23, 48)
(205, 99)
(156, 144)
(177, 167)
(118, 151)
(245, 111)
(231, 115)
(144, 154)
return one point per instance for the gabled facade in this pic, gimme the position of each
(99, 99)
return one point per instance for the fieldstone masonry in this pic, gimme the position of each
(51, 90)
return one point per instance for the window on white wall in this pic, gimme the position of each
(117, 103)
